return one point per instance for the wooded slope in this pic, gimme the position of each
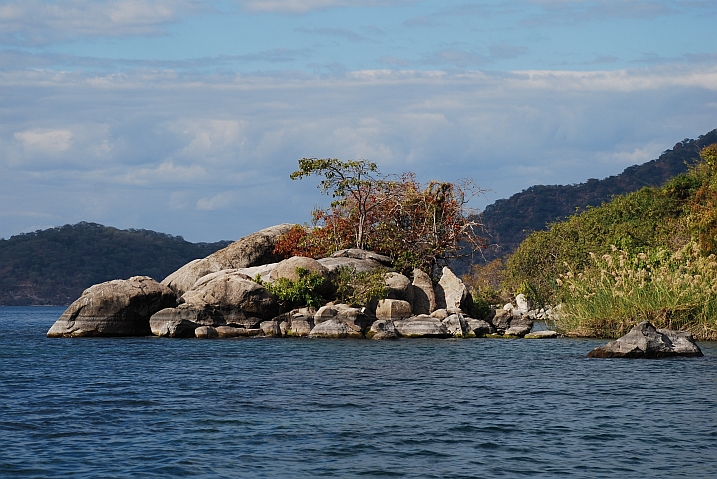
(54, 266)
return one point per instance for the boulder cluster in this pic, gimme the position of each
(218, 297)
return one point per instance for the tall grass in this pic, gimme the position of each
(676, 290)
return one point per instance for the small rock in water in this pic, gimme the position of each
(645, 341)
(546, 334)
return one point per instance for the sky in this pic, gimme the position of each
(187, 117)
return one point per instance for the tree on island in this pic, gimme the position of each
(417, 226)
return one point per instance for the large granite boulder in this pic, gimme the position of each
(224, 298)
(422, 326)
(393, 309)
(424, 297)
(478, 328)
(645, 341)
(180, 322)
(335, 328)
(519, 327)
(114, 308)
(234, 297)
(360, 265)
(456, 325)
(501, 320)
(287, 268)
(252, 250)
(296, 323)
(382, 329)
(452, 293)
(399, 287)
(361, 254)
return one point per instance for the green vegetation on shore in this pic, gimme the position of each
(509, 221)
(648, 255)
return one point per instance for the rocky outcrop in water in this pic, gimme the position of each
(216, 297)
(114, 308)
(646, 341)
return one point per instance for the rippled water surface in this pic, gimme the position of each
(150, 407)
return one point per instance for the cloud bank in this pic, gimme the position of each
(211, 158)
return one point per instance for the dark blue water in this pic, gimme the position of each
(151, 407)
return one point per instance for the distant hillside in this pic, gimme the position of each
(54, 266)
(509, 221)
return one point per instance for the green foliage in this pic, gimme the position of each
(509, 221)
(646, 218)
(675, 290)
(54, 266)
(649, 255)
(357, 181)
(359, 288)
(417, 226)
(484, 281)
(305, 291)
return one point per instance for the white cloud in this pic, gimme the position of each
(40, 22)
(216, 202)
(220, 149)
(304, 6)
(45, 141)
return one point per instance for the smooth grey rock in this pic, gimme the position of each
(206, 332)
(424, 297)
(114, 308)
(382, 329)
(357, 318)
(252, 250)
(300, 325)
(440, 314)
(522, 303)
(393, 309)
(179, 322)
(262, 271)
(683, 344)
(324, 313)
(361, 254)
(519, 328)
(334, 328)
(456, 325)
(239, 300)
(233, 332)
(399, 287)
(545, 334)
(451, 292)
(501, 320)
(478, 328)
(644, 341)
(360, 265)
(421, 327)
(271, 329)
(287, 268)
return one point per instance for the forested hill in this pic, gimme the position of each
(509, 221)
(54, 266)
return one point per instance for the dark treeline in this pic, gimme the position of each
(509, 221)
(54, 266)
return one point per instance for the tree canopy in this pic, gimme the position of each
(416, 225)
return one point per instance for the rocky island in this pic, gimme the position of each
(224, 295)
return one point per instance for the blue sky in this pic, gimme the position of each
(187, 117)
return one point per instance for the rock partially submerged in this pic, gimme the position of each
(120, 307)
(645, 341)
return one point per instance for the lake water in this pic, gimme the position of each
(151, 407)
